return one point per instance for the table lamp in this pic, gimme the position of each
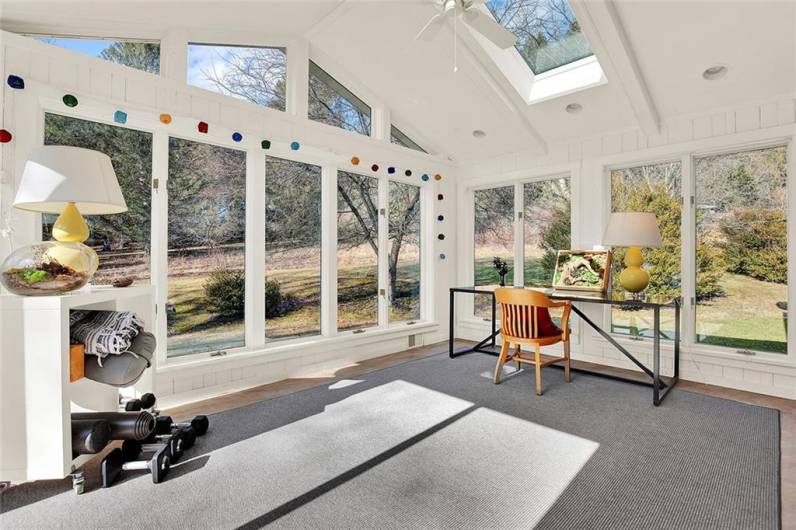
(633, 230)
(69, 181)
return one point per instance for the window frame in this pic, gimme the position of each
(342, 91)
(708, 147)
(403, 139)
(466, 197)
(159, 42)
(235, 44)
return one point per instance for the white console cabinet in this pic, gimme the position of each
(36, 397)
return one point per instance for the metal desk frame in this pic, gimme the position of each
(660, 386)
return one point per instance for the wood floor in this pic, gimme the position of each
(786, 407)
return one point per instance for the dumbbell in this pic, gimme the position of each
(146, 401)
(113, 465)
(164, 425)
(178, 441)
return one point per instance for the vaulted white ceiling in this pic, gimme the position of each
(653, 54)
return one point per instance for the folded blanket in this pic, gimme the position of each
(104, 333)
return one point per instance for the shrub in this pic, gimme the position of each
(225, 291)
(756, 244)
(273, 299)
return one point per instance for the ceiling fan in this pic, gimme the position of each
(469, 12)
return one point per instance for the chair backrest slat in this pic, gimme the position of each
(519, 309)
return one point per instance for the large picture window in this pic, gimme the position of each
(547, 228)
(255, 74)
(404, 256)
(357, 251)
(292, 249)
(121, 240)
(493, 238)
(206, 240)
(654, 188)
(741, 258)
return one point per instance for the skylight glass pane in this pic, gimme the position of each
(399, 138)
(135, 54)
(333, 104)
(255, 74)
(548, 36)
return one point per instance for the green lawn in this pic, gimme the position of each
(193, 328)
(747, 317)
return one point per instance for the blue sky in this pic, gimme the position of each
(91, 47)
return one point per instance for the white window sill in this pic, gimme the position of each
(276, 351)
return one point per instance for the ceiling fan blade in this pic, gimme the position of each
(489, 28)
(431, 28)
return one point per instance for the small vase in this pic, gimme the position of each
(502, 280)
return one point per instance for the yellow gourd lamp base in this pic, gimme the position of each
(634, 279)
(70, 227)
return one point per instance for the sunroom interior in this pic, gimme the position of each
(397, 264)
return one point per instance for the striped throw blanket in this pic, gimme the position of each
(104, 333)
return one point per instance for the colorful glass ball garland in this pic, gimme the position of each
(203, 127)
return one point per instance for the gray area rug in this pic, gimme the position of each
(433, 444)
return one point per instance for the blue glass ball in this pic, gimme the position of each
(424, 178)
(295, 146)
(237, 137)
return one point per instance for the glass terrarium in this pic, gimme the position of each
(48, 268)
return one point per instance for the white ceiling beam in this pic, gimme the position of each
(600, 22)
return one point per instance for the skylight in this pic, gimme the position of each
(398, 137)
(548, 35)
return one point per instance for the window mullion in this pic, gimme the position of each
(329, 251)
(688, 253)
(519, 238)
(384, 272)
(255, 249)
(159, 236)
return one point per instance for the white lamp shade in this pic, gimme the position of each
(56, 175)
(632, 229)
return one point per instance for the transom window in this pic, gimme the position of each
(142, 55)
(399, 138)
(332, 103)
(255, 74)
(548, 35)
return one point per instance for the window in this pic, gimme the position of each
(333, 104)
(404, 256)
(135, 54)
(206, 247)
(121, 240)
(255, 74)
(399, 138)
(547, 228)
(654, 188)
(292, 249)
(357, 251)
(548, 35)
(494, 238)
(741, 255)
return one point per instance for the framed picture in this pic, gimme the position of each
(582, 270)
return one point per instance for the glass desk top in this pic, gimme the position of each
(613, 297)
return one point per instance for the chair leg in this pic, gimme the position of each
(504, 350)
(538, 359)
(567, 373)
(517, 352)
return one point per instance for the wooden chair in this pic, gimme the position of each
(520, 324)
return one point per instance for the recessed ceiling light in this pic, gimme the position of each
(478, 133)
(715, 72)
(574, 108)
